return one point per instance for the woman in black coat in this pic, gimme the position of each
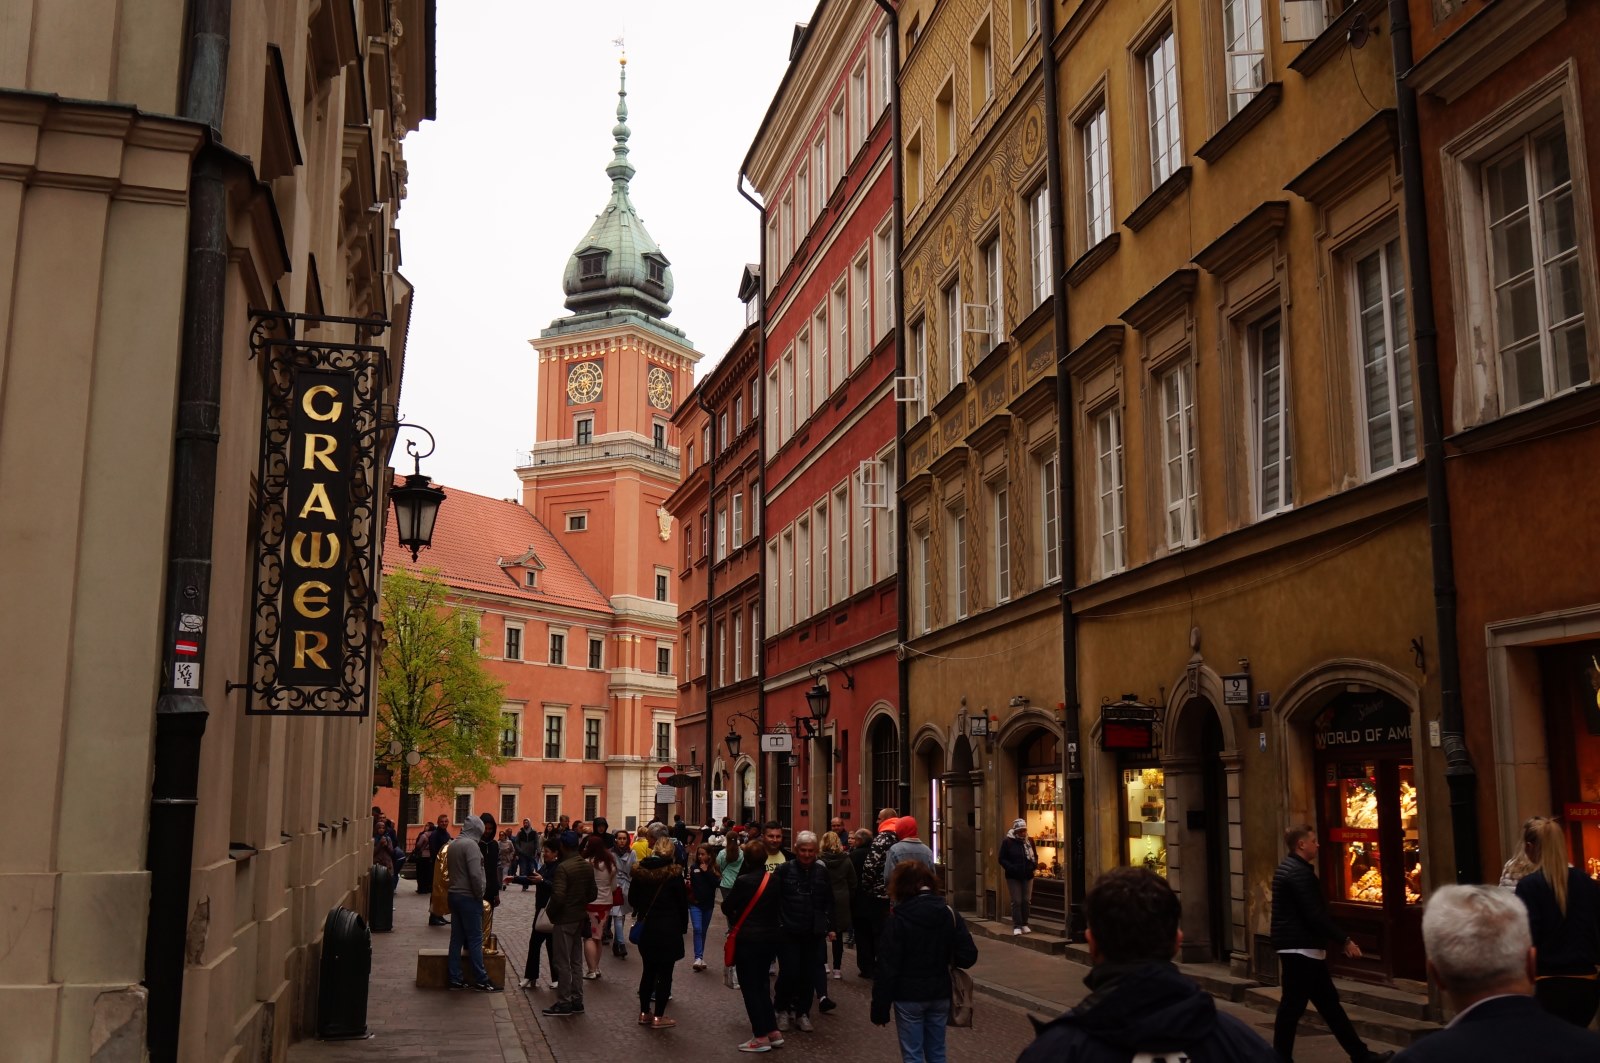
(660, 903)
(756, 944)
(923, 939)
(536, 939)
(1564, 915)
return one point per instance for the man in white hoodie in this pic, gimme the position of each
(467, 885)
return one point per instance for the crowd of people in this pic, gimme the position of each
(1518, 962)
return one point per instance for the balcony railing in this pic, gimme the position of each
(572, 453)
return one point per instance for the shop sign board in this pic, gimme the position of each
(978, 726)
(1587, 810)
(1354, 720)
(777, 743)
(1128, 727)
(719, 805)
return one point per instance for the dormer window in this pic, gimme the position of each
(658, 272)
(655, 270)
(591, 265)
(530, 578)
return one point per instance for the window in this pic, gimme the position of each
(530, 577)
(819, 166)
(836, 134)
(508, 806)
(655, 271)
(661, 586)
(819, 356)
(1049, 518)
(802, 547)
(1245, 51)
(1024, 23)
(596, 649)
(738, 413)
(738, 520)
(1533, 261)
(688, 458)
(1108, 490)
(786, 617)
(755, 641)
(722, 653)
(944, 125)
(722, 534)
(663, 660)
(841, 323)
(513, 642)
(774, 252)
(820, 571)
(705, 441)
(883, 63)
(591, 265)
(413, 809)
(553, 724)
(663, 740)
(774, 439)
(772, 585)
(558, 648)
(583, 431)
(510, 734)
(925, 566)
(802, 181)
(705, 533)
(958, 563)
(1391, 427)
(858, 106)
(1161, 106)
(913, 171)
(803, 392)
(755, 511)
(839, 527)
(1002, 545)
(705, 650)
(953, 367)
(863, 325)
(738, 646)
(552, 806)
(1039, 243)
(883, 248)
(577, 522)
(992, 282)
(919, 368)
(1092, 135)
(755, 398)
(980, 68)
(722, 430)
(591, 805)
(658, 433)
(591, 738)
(1179, 484)
(885, 521)
(463, 806)
(1269, 402)
(786, 400)
(786, 233)
(865, 517)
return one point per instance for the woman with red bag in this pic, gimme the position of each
(754, 937)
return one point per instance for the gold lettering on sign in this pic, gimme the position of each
(314, 558)
(332, 413)
(317, 502)
(311, 600)
(320, 447)
(310, 644)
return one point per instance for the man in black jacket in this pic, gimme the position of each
(1139, 1005)
(805, 915)
(1301, 931)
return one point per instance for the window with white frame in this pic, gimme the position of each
(663, 585)
(958, 562)
(786, 617)
(883, 67)
(508, 806)
(839, 528)
(980, 66)
(861, 277)
(738, 519)
(1110, 520)
(1533, 241)
(1093, 136)
(883, 248)
(953, 365)
(912, 169)
(919, 368)
(786, 401)
(1039, 243)
(737, 646)
(705, 647)
(1180, 482)
(663, 739)
(802, 581)
(722, 534)
(819, 356)
(1244, 51)
(774, 251)
(836, 140)
(820, 572)
(840, 311)
(863, 527)
(819, 167)
(944, 126)
(925, 583)
(858, 106)
(786, 213)
(558, 647)
(596, 651)
(1160, 62)
(802, 184)
(513, 641)
(1050, 517)
(1001, 532)
(722, 653)
(755, 641)
(577, 522)
(554, 724)
(705, 533)
(1269, 411)
(774, 440)
(755, 397)
(887, 560)
(722, 430)
(738, 413)
(583, 431)
(993, 283)
(510, 733)
(755, 510)
(1024, 23)
(1384, 340)
(552, 805)
(802, 380)
(663, 659)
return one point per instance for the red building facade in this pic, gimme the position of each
(821, 165)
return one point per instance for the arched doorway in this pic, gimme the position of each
(961, 825)
(1041, 804)
(883, 756)
(1195, 813)
(745, 793)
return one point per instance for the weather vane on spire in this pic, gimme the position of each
(618, 42)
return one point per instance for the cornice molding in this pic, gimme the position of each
(1357, 154)
(1160, 302)
(1243, 240)
(1483, 44)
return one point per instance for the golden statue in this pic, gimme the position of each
(439, 903)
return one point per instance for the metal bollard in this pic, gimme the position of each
(380, 904)
(346, 969)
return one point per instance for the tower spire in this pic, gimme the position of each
(620, 170)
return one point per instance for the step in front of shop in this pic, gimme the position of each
(1372, 1023)
(1045, 938)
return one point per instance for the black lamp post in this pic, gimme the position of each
(817, 699)
(732, 742)
(416, 501)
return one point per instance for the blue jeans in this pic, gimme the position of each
(699, 918)
(921, 1025)
(466, 928)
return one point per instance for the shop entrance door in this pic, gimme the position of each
(1214, 786)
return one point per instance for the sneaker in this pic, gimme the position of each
(826, 1004)
(699, 964)
(837, 974)
(756, 1044)
(456, 983)
(591, 975)
(775, 1039)
(558, 1010)
(1027, 929)
(487, 987)
(523, 983)
(663, 1023)
(802, 1023)
(577, 1009)
(1016, 931)
(783, 1022)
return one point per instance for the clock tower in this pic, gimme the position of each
(604, 461)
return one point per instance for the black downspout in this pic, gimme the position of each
(1071, 746)
(759, 665)
(1460, 776)
(902, 585)
(711, 583)
(181, 710)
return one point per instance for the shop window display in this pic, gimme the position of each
(1145, 794)
(1044, 804)
(1570, 678)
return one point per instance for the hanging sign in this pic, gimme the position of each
(313, 593)
(777, 743)
(1128, 727)
(1375, 719)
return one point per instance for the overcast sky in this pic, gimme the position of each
(508, 179)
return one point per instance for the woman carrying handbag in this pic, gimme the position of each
(753, 908)
(661, 902)
(925, 948)
(539, 934)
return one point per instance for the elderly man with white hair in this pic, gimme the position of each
(806, 913)
(1480, 951)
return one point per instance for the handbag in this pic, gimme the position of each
(727, 948)
(542, 923)
(960, 989)
(636, 931)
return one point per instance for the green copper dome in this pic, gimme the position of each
(617, 270)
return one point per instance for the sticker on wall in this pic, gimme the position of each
(186, 675)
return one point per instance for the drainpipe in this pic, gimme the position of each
(902, 585)
(1460, 776)
(759, 666)
(181, 712)
(711, 584)
(1071, 745)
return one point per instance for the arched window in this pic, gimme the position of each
(883, 747)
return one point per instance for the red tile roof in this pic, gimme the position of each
(475, 534)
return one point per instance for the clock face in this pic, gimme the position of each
(659, 385)
(583, 382)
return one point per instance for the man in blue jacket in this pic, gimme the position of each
(1139, 1005)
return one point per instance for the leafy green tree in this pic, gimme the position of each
(434, 695)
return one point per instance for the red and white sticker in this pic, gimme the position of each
(186, 648)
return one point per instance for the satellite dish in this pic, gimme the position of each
(1360, 32)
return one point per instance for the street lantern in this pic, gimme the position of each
(413, 758)
(416, 502)
(732, 742)
(817, 701)
(395, 747)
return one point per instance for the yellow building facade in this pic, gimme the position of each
(250, 154)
